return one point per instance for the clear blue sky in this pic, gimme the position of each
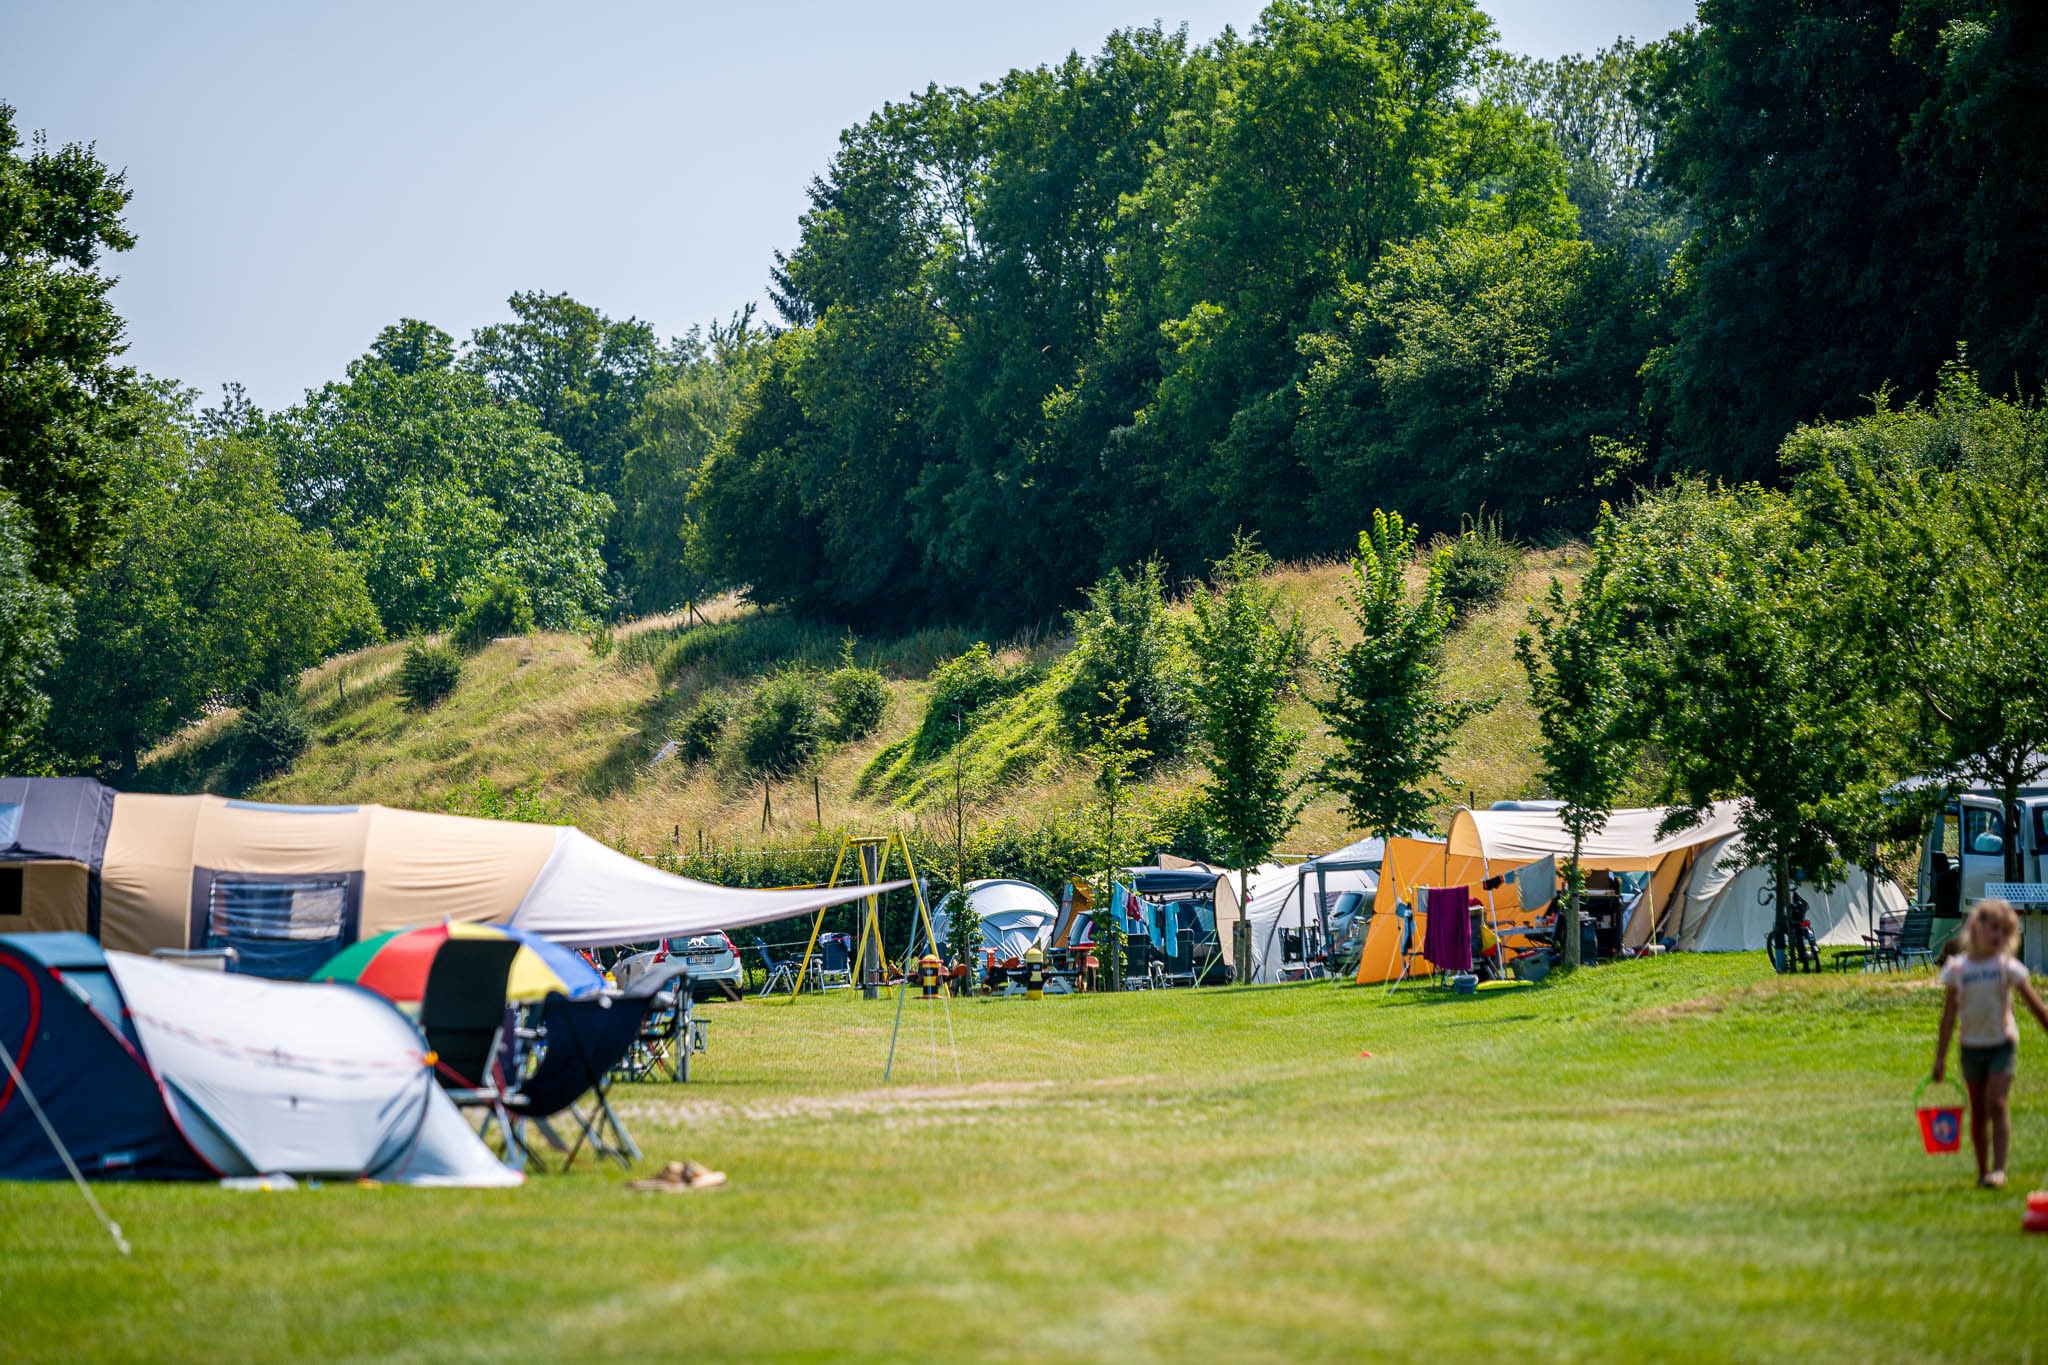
(304, 174)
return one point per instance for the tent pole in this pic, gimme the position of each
(49, 1131)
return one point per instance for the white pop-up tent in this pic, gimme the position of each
(1728, 904)
(321, 1080)
(1015, 916)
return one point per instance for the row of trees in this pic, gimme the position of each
(1127, 304)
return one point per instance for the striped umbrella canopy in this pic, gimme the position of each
(395, 963)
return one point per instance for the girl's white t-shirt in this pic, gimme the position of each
(1983, 987)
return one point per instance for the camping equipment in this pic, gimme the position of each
(581, 1043)
(395, 963)
(1941, 1125)
(1464, 983)
(1015, 917)
(469, 1031)
(144, 1076)
(2035, 1219)
(290, 886)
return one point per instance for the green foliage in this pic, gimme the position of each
(780, 731)
(34, 619)
(1010, 734)
(209, 589)
(270, 734)
(495, 607)
(1125, 639)
(414, 466)
(703, 725)
(1246, 657)
(673, 431)
(858, 699)
(961, 687)
(64, 398)
(1116, 748)
(1592, 728)
(428, 673)
(1935, 538)
(1480, 565)
(1381, 701)
(602, 641)
(488, 801)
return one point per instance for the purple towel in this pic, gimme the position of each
(1447, 932)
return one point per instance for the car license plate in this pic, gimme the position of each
(700, 957)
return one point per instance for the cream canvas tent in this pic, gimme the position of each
(289, 886)
(1727, 904)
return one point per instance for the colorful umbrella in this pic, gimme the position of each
(395, 964)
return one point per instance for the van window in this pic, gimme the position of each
(1983, 830)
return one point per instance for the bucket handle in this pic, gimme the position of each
(1917, 1090)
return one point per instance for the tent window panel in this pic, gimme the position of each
(283, 928)
(10, 890)
(10, 821)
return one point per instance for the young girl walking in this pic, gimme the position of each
(1979, 986)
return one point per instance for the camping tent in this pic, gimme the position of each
(1299, 900)
(1728, 906)
(1015, 916)
(289, 886)
(147, 1069)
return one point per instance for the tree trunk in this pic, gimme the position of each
(1568, 923)
(1788, 925)
(2015, 870)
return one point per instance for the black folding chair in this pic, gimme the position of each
(468, 1026)
(584, 1042)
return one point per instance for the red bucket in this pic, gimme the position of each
(2035, 1219)
(1941, 1125)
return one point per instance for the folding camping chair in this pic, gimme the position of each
(464, 1018)
(583, 1043)
(669, 1035)
(835, 963)
(1410, 946)
(781, 971)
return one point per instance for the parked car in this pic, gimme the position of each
(713, 962)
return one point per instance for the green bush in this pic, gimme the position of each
(428, 673)
(1480, 566)
(497, 606)
(779, 734)
(270, 734)
(701, 728)
(1125, 634)
(859, 699)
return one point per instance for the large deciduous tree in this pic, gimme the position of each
(415, 467)
(64, 398)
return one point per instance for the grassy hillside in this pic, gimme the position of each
(582, 734)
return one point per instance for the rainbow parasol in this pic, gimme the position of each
(394, 964)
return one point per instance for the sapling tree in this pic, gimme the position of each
(1383, 703)
(1590, 731)
(1117, 750)
(1246, 655)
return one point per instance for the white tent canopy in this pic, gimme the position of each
(590, 896)
(1628, 842)
(1015, 916)
(324, 1080)
(1728, 904)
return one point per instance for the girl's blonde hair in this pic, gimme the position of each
(1999, 922)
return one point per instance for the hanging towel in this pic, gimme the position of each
(1447, 933)
(1538, 882)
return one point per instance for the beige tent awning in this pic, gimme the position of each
(1629, 842)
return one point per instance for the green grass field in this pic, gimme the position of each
(1685, 1158)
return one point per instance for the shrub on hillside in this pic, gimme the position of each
(497, 606)
(1125, 634)
(701, 728)
(859, 699)
(1481, 566)
(780, 732)
(270, 734)
(428, 673)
